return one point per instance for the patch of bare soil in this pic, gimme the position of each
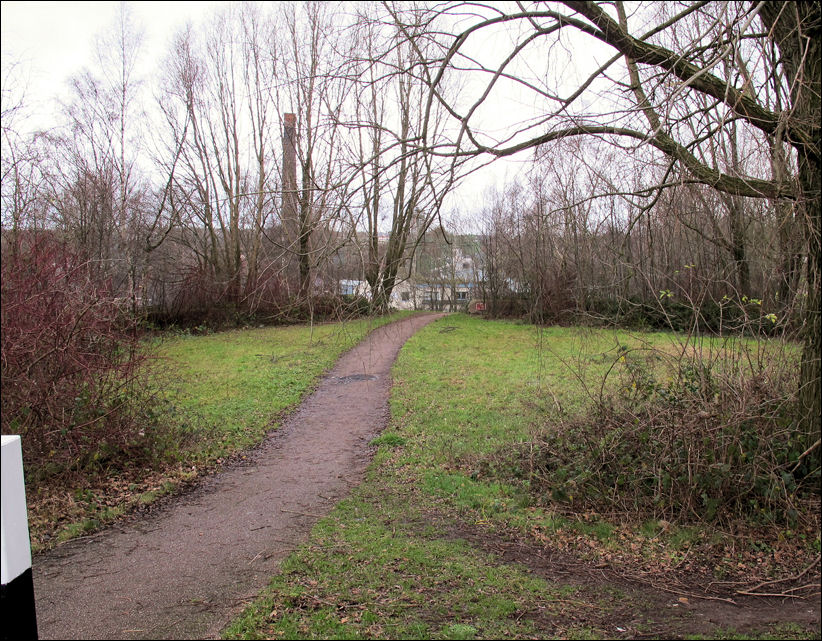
(626, 604)
(183, 569)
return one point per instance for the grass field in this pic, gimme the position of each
(438, 544)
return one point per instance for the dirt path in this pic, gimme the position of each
(184, 570)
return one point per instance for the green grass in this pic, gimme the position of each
(382, 565)
(365, 575)
(225, 391)
(403, 556)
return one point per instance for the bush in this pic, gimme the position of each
(727, 316)
(356, 306)
(708, 444)
(70, 358)
(202, 303)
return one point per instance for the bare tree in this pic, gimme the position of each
(221, 147)
(668, 82)
(314, 49)
(395, 182)
(23, 179)
(96, 188)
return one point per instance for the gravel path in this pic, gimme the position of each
(186, 569)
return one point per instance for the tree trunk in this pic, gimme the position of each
(810, 371)
(797, 29)
(305, 224)
(790, 250)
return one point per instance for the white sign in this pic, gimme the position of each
(16, 549)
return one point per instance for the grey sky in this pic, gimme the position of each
(51, 41)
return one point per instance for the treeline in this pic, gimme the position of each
(244, 177)
(695, 260)
(190, 194)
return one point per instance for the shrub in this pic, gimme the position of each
(199, 301)
(355, 306)
(70, 357)
(709, 443)
(727, 316)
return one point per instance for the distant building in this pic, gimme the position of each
(350, 287)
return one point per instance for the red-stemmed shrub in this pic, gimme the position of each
(70, 357)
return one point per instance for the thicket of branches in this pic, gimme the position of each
(71, 359)
(563, 255)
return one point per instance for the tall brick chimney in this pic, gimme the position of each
(290, 205)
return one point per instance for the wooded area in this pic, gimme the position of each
(673, 174)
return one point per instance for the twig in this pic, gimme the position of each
(805, 453)
(803, 587)
(316, 516)
(696, 596)
(640, 578)
(688, 594)
(684, 558)
(783, 595)
(789, 578)
(272, 553)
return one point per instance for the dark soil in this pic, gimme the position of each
(184, 569)
(676, 605)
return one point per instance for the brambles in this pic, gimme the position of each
(741, 316)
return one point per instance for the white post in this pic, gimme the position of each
(19, 615)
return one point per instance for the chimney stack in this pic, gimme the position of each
(289, 203)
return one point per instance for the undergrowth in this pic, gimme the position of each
(73, 368)
(691, 438)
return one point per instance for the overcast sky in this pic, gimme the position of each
(52, 41)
